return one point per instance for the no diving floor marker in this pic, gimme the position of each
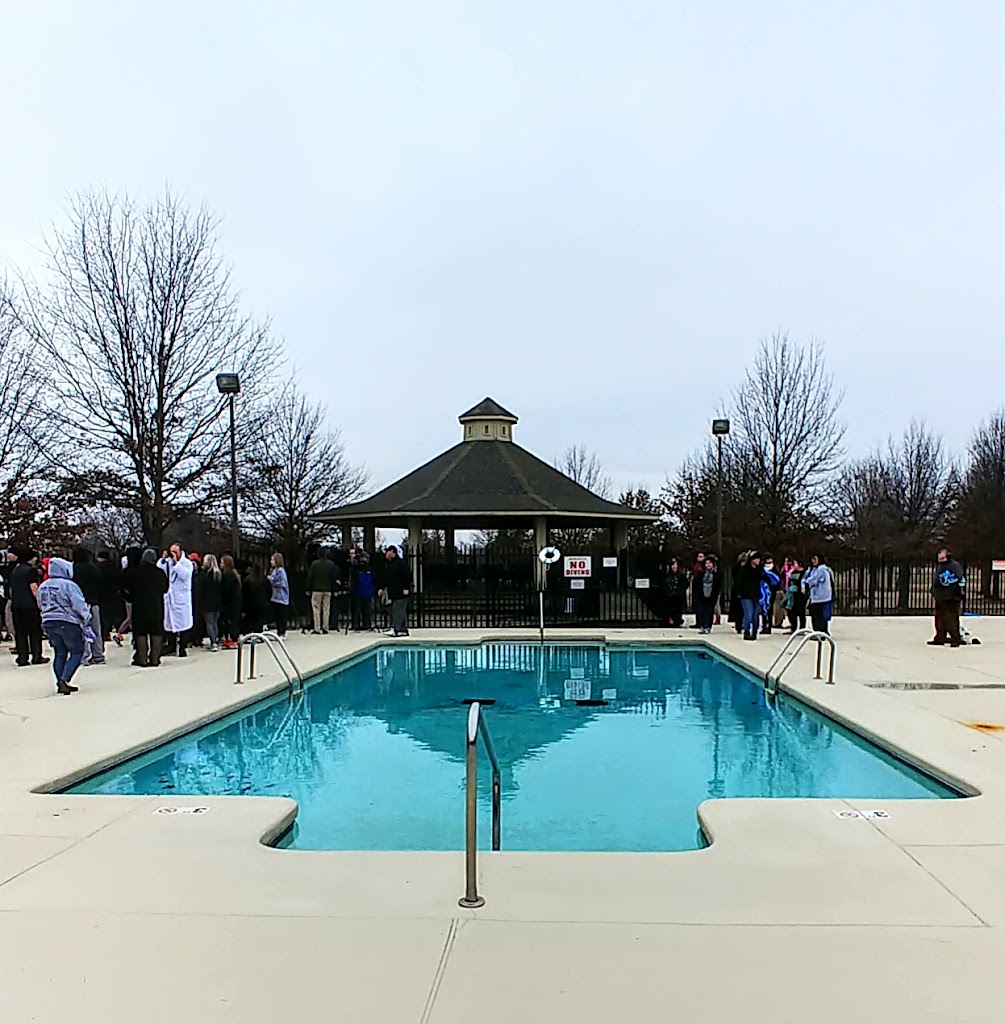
(182, 810)
(850, 815)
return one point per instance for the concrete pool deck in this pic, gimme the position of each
(111, 913)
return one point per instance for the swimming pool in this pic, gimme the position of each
(374, 751)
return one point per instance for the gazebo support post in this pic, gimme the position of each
(415, 552)
(345, 529)
(540, 541)
(619, 536)
(370, 539)
(449, 548)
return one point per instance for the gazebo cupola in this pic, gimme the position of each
(487, 421)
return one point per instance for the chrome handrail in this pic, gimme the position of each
(476, 728)
(270, 638)
(801, 637)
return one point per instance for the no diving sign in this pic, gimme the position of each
(578, 566)
(182, 810)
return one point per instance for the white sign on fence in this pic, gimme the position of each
(577, 584)
(642, 584)
(998, 564)
(578, 565)
(577, 689)
(610, 562)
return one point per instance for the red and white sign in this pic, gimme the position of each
(998, 565)
(578, 566)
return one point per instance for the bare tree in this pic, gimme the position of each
(980, 520)
(786, 438)
(900, 500)
(296, 465)
(27, 439)
(136, 318)
(580, 464)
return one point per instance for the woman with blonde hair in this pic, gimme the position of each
(210, 584)
(280, 593)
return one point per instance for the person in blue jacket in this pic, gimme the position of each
(818, 582)
(66, 617)
(948, 590)
(769, 587)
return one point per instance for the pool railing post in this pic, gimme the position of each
(820, 658)
(238, 678)
(471, 897)
(251, 660)
(540, 603)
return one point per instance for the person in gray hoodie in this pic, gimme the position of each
(65, 617)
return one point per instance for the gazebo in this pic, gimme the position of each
(485, 482)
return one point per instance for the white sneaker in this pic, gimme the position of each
(389, 632)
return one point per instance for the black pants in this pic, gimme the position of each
(280, 613)
(818, 619)
(362, 617)
(947, 622)
(704, 610)
(28, 635)
(797, 615)
(675, 606)
(230, 624)
(148, 650)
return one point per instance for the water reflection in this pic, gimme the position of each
(375, 753)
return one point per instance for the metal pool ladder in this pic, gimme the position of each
(476, 728)
(801, 638)
(270, 638)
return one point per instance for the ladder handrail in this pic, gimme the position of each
(476, 728)
(801, 637)
(270, 639)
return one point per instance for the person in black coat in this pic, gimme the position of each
(707, 587)
(255, 598)
(109, 590)
(748, 587)
(675, 585)
(209, 599)
(148, 587)
(87, 577)
(127, 582)
(230, 603)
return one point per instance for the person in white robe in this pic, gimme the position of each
(178, 599)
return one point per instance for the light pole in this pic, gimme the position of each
(230, 384)
(720, 428)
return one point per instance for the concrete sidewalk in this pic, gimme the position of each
(111, 913)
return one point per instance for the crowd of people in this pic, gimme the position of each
(177, 600)
(762, 595)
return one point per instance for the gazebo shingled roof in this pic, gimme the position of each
(482, 479)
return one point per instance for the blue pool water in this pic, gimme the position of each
(374, 752)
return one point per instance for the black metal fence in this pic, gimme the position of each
(481, 589)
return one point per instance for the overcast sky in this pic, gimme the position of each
(589, 210)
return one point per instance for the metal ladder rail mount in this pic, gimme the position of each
(270, 639)
(801, 637)
(476, 728)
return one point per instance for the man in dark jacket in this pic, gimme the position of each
(322, 579)
(948, 590)
(398, 586)
(24, 583)
(109, 576)
(87, 577)
(749, 578)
